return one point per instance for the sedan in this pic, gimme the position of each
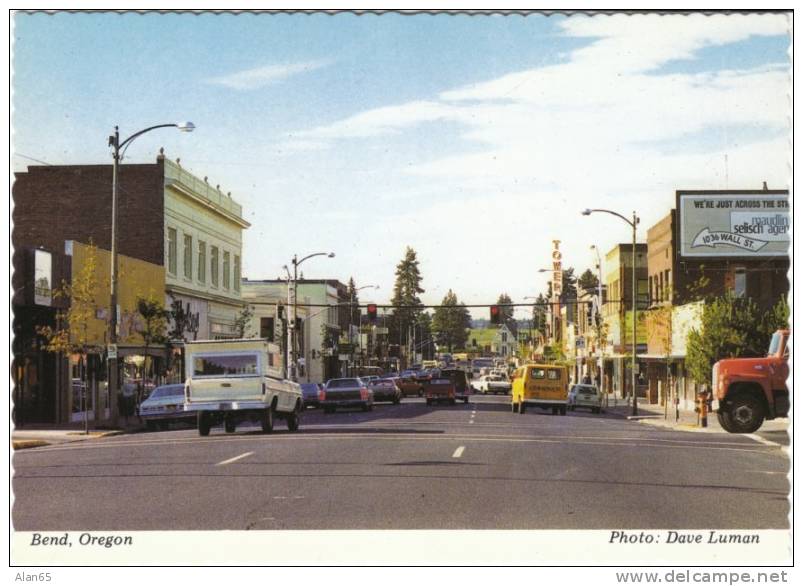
(165, 404)
(385, 390)
(310, 393)
(585, 396)
(346, 392)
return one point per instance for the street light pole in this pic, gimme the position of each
(633, 224)
(598, 316)
(291, 328)
(114, 142)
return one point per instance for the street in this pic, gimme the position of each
(408, 466)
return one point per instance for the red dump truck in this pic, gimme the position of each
(750, 390)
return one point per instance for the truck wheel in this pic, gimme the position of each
(743, 413)
(563, 410)
(522, 408)
(514, 407)
(229, 425)
(294, 419)
(267, 420)
(203, 424)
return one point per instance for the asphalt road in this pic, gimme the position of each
(408, 466)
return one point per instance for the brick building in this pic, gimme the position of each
(166, 217)
(729, 241)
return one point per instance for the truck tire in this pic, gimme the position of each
(522, 408)
(563, 410)
(294, 419)
(742, 413)
(204, 424)
(266, 420)
(229, 424)
(514, 407)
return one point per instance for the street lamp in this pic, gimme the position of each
(633, 223)
(116, 144)
(291, 333)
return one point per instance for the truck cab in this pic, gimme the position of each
(750, 390)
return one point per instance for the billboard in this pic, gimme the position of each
(734, 224)
(42, 278)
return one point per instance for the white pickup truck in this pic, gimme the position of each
(231, 381)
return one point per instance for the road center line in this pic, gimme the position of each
(458, 452)
(234, 459)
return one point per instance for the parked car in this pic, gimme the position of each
(585, 395)
(385, 390)
(165, 405)
(310, 392)
(346, 392)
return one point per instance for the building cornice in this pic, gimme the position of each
(178, 187)
(179, 290)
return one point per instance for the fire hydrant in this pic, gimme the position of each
(703, 407)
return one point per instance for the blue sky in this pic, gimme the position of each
(475, 140)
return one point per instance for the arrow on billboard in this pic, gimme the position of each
(708, 238)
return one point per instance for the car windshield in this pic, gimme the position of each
(775, 343)
(342, 383)
(167, 391)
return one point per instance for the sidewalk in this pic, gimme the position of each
(689, 421)
(46, 435)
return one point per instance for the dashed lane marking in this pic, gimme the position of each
(458, 452)
(626, 441)
(234, 459)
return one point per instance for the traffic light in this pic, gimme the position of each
(372, 312)
(496, 315)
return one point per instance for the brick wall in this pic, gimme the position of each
(73, 202)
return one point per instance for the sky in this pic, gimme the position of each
(475, 140)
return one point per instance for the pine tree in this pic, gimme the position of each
(405, 294)
(587, 280)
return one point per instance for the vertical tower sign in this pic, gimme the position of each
(557, 286)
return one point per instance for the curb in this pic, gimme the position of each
(27, 444)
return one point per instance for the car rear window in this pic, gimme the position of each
(587, 390)
(225, 365)
(342, 383)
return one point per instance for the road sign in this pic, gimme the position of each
(112, 350)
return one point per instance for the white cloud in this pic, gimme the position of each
(258, 77)
(604, 129)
